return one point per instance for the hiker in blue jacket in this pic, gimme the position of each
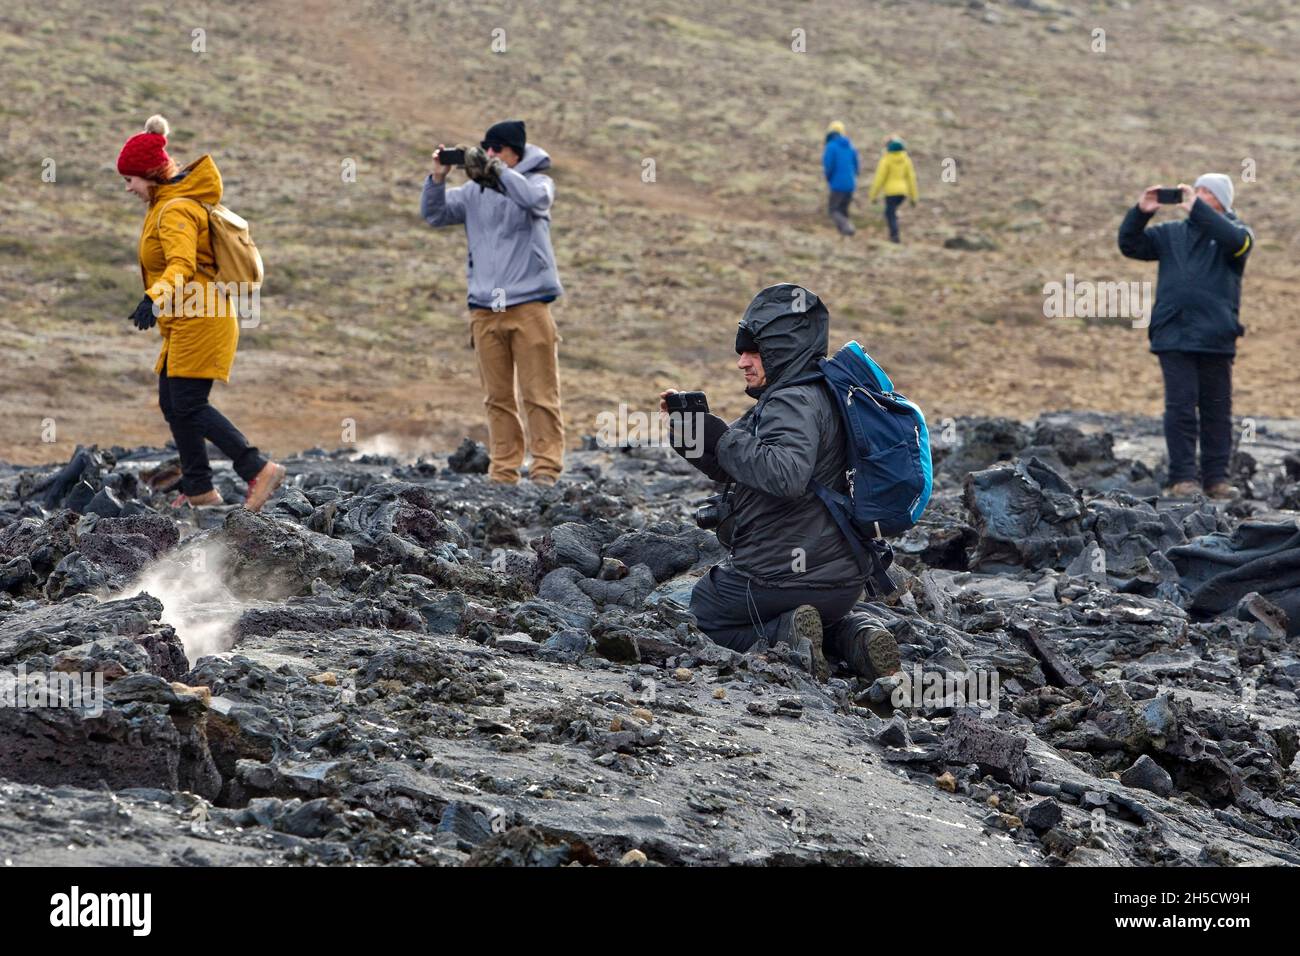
(790, 576)
(1194, 324)
(840, 164)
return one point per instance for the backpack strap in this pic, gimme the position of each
(871, 560)
(205, 207)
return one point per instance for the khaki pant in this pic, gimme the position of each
(523, 339)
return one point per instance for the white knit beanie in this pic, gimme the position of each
(1220, 186)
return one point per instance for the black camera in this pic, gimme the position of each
(715, 510)
(687, 402)
(451, 157)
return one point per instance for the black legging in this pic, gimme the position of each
(194, 421)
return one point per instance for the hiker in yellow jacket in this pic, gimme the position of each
(896, 178)
(199, 323)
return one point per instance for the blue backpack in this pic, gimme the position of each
(887, 458)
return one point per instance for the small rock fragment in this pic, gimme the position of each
(895, 733)
(1041, 815)
(1146, 774)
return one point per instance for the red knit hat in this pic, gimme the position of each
(143, 153)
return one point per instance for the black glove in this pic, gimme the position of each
(145, 315)
(700, 450)
(714, 429)
(702, 433)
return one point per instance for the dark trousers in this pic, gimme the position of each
(736, 613)
(1196, 380)
(838, 207)
(193, 421)
(891, 215)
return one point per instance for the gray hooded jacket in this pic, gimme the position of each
(509, 232)
(782, 534)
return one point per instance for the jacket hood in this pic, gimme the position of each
(200, 180)
(534, 160)
(792, 328)
(894, 159)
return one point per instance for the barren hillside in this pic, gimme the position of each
(363, 311)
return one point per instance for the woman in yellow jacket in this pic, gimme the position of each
(896, 178)
(198, 321)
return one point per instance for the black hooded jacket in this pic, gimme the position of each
(781, 533)
(1198, 288)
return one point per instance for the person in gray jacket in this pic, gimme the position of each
(790, 576)
(512, 279)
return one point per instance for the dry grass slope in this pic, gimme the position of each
(364, 308)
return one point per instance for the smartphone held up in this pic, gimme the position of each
(451, 157)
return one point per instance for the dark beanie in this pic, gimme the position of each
(745, 341)
(506, 133)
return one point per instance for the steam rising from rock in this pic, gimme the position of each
(192, 585)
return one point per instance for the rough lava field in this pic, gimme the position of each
(396, 663)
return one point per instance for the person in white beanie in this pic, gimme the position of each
(1194, 324)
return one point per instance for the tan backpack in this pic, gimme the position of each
(234, 253)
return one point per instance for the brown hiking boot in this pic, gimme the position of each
(1183, 489)
(1223, 491)
(209, 499)
(802, 630)
(874, 653)
(261, 487)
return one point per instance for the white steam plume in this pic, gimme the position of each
(402, 447)
(190, 583)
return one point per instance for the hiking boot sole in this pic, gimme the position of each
(882, 653)
(808, 625)
(267, 485)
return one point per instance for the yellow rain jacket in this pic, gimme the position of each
(895, 176)
(202, 331)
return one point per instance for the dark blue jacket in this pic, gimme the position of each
(1198, 286)
(840, 163)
